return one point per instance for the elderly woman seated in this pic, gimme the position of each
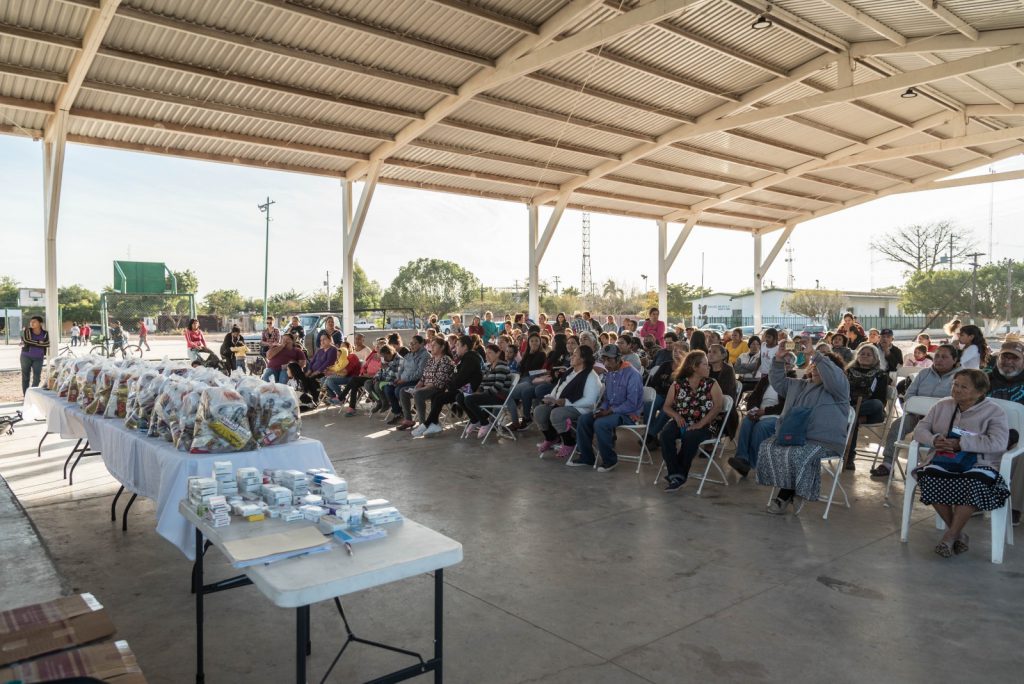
(576, 394)
(763, 408)
(811, 427)
(968, 434)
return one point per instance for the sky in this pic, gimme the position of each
(204, 216)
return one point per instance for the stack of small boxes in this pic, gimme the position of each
(217, 511)
(249, 481)
(296, 481)
(200, 489)
(224, 474)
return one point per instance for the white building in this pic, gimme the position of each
(740, 307)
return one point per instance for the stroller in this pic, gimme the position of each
(7, 422)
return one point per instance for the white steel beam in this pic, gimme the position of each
(961, 142)
(758, 278)
(936, 8)
(352, 228)
(779, 244)
(53, 177)
(519, 60)
(684, 235)
(489, 15)
(865, 19)
(994, 110)
(983, 179)
(95, 30)
(534, 260)
(663, 267)
(951, 42)
(972, 82)
(711, 123)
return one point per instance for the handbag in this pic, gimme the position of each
(792, 428)
(954, 462)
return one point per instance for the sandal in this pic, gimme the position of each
(944, 549)
(961, 545)
(881, 471)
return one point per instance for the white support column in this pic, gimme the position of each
(347, 295)
(758, 276)
(352, 228)
(663, 267)
(53, 175)
(534, 261)
(539, 245)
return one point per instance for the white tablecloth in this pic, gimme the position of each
(61, 417)
(153, 468)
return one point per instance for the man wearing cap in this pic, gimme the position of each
(893, 355)
(935, 381)
(1006, 381)
(622, 404)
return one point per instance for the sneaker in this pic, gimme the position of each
(607, 468)
(545, 446)
(580, 464)
(674, 485)
(882, 470)
(564, 451)
(472, 428)
(419, 430)
(778, 506)
(405, 425)
(525, 423)
(394, 420)
(349, 412)
(482, 432)
(334, 401)
(739, 465)
(433, 430)
(514, 425)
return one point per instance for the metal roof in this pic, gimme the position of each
(669, 109)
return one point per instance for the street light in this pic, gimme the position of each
(645, 282)
(265, 208)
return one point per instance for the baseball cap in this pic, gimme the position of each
(1012, 347)
(610, 351)
(887, 331)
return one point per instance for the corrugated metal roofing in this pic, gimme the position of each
(318, 85)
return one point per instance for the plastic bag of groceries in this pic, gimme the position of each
(55, 371)
(277, 415)
(104, 383)
(168, 407)
(67, 378)
(222, 423)
(120, 391)
(185, 430)
(84, 384)
(142, 394)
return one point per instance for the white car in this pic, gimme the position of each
(363, 324)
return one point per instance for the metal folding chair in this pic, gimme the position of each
(711, 448)
(495, 413)
(641, 430)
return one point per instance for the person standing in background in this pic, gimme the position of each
(35, 344)
(143, 334)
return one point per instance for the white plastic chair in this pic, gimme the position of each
(495, 413)
(916, 406)
(1001, 529)
(641, 430)
(833, 465)
(711, 448)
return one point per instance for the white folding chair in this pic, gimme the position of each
(915, 406)
(879, 430)
(711, 448)
(1001, 529)
(833, 465)
(641, 430)
(907, 371)
(495, 412)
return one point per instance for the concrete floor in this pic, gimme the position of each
(569, 576)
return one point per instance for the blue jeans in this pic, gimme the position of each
(752, 433)
(604, 428)
(522, 392)
(334, 383)
(33, 367)
(391, 396)
(279, 375)
(678, 462)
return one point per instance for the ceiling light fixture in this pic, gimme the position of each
(908, 93)
(763, 21)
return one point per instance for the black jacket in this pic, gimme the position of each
(468, 371)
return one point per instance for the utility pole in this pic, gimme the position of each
(327, 286)
(265, 208)
(950, 252)
(556, 279)
(974, 283)
(1009, 291)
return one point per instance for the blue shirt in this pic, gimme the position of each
(624, 391)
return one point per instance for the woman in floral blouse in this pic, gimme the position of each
(694, 407)
(436, 373)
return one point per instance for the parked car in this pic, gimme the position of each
(815, 332)
(717, 327)
(445, 325)
(363, 324)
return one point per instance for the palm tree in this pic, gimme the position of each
(611, 290)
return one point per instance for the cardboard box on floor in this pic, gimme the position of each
(55, 625)
(111, 661)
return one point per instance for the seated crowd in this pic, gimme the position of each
(578, 379)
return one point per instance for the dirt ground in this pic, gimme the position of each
(10, 385)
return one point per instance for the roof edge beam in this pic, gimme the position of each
(961, 142)
(986, 39)
(866, 20)
(936, 8)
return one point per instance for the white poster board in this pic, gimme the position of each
(28, 297)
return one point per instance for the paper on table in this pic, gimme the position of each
(297, 539)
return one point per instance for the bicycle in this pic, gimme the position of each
(106, 347)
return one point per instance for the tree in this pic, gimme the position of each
(78, 303)
(431, 286)
(920, 246)
(188, 281)
(679, 297)
(286, 303)
(611, 290)
(8, 291)
(948, 293)
(816, 304)
(223, 302)
(571, 291)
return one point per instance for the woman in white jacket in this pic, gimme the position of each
(576, 394)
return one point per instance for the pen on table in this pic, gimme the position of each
(348, 547)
